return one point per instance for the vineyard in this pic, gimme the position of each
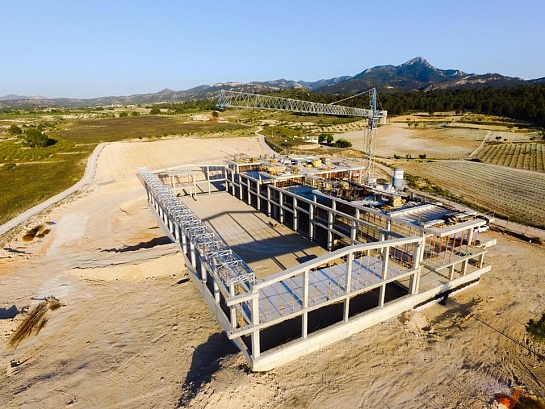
(526, 155)
(506, 192)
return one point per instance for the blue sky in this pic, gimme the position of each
(98, 48)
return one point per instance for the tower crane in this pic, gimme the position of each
(233, 99)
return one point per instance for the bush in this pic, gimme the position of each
(14, 130)
(155, 111)
(123, 114)
(536, 329)
(36, 139)
(342, 143)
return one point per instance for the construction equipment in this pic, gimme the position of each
(233, 99)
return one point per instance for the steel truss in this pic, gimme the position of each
(180, 220)
(233, 99)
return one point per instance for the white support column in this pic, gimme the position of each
(481, 260)
(385, 261)
(258, 192)
(184, 243)
(304, 323)
(193, 255)
(249, 191)
(464, 267)
(348, 285)
(232, 309)
(256, 347)
(280, 208)
(208, 178)
(329, 232)
(203, 273)
(381, 295)
(216, 292)
(311, 219)
(269, 200)
(295, 215)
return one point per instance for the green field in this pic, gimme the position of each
(29, 176)
(518, 155)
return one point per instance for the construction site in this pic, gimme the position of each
(386, 251)
(383, 251)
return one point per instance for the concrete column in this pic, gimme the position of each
(177, 232)
(232, 309)
(295, 215)
(381, 295)
(269, 200)
(256, 347)
(193, 255)
(414, 282)
(311, 221)
(464, 267)
(481, 260)
(216, 292)
(304, 326)
(203, 273)
(280, 208)
(184, 243)
(329, 232)
(451, 271)
(258, 192)
(249, 191)
(385, 261)
(348, 285)
(417, 255)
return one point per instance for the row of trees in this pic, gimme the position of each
(525, 102)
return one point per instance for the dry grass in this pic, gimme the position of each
(34, 322)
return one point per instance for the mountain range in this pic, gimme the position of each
(416, 74)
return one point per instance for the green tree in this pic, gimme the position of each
(14, 130)
(342, 143)
(215, 114)
(329, 139)
(123, 114)
(135, 113)
(422, 156)
(155, 111)
(36, 139)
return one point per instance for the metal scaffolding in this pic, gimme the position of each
(193, 235)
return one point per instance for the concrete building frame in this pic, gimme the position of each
(379, 264)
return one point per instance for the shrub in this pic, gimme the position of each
(14, 130)
(342, 143)
(536, 329)
(35, 138)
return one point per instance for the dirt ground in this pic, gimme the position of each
(133, 332)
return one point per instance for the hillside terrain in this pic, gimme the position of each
(415, 74)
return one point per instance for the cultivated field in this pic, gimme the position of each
(509, 193)
(529, 155)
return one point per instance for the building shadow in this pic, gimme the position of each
(206, 361)
(158, 241)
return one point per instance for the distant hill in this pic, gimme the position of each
(416, 74)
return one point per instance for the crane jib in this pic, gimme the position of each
(232, 99)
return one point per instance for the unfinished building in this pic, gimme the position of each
(385, 253)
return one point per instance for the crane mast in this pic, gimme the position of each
(233, 99)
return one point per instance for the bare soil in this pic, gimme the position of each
(134, 332)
